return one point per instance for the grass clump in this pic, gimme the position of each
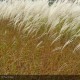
(38, 39)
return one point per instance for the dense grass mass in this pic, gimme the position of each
(38, 39)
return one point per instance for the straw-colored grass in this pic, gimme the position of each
(38, 39)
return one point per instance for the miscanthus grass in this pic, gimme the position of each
(38, 39)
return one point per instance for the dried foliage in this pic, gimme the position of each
(38, 39)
